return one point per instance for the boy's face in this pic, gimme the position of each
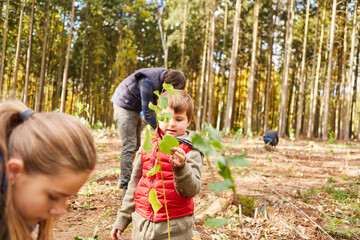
(177, 125)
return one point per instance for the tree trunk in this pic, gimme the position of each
(3, 53)
(317, 75)
(223, 80)
(17, 54)
(211, 61)
(183, 35)
(285, 74)
(233, 77)
(63, 93)
(353, 102)
(350, 76)
(302, 75)
(201, 92)
(162, 33)
(325, 130)
(204, 113)
(28, 60)
(250, 99)
(38, 104)
(83, 58)
(121, 30)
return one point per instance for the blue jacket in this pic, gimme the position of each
(127, 94)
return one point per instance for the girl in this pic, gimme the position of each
(44, 158)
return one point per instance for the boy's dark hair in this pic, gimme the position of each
(180, 103)
(176, 78)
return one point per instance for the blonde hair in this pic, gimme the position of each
(180, 102)
(47, 143)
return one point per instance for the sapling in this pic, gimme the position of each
(211, 144)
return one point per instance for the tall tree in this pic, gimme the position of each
(202, 77)
(160, 12)
(232, 79)
(63, 92)
(222, 62)
(3, 52)
(302, 74)
(211, 63)
(28, 59)
(250, 99)
(39, 100)
(285, 74)
(269, 60)
(18, 43)
(183, 34)
(325, 130)
(350, 76)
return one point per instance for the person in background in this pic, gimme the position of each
(181, 173)
(271, 138)
(132, 96)
(44, 159)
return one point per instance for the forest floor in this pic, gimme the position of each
(300, 190)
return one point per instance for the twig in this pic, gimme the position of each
(284, 198)
(294, 230)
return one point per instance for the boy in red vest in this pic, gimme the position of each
(181, 173)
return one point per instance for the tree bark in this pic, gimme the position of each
(302, 74)
(162, 32)
(3, 53)
(223, 80)
(38, 104)
(17, 54)
(63, 93)
(250, 99)
(183, 35)
(211, 62)
(350, 76)
(28, 60)
(285, 74)
(202, 77)
(232, 79)
(325, 130)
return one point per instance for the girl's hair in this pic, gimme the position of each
(48, 144)
(180, 102)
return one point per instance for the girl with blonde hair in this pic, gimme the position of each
(44, 159)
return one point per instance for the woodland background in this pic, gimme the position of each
(251, 65)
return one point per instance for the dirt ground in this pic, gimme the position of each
(277, 181)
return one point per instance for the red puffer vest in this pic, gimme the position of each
(177, 205)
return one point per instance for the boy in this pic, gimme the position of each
(133, 95)
(182, 178)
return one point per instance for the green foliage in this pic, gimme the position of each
(332, 137)
(247, 205)
(167, 143)
(147, 140)
(292, 134)
(210, 142)
(154, 201)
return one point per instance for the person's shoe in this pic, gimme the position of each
(196, 235)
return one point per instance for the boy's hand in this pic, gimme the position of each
(179, 157)
(115, 233)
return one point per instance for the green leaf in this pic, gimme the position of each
(238, 160)
(154, 201)
(170, 88)
(219, 186)
(78, 238)
(218, 222)
(224, 171)
(156, 109)
(164, 117)
(163, 102)
(168, 142)
(147, 140)
(199, 143)
(154, 170)
(157, 93)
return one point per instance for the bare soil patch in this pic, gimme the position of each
(284, 184)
